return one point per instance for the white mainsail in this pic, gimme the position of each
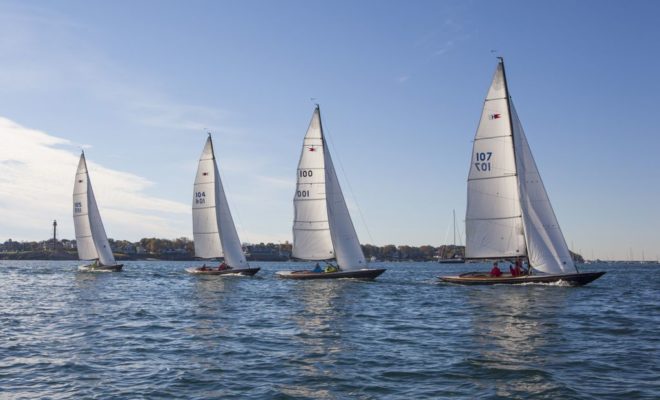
(494, 225)
(213, 225)
(311, 230)
(322, 227)
(509, 212)
(91, 240)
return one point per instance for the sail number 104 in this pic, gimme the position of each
(200, 197)
(483, 161)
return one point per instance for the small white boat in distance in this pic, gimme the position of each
(91, 240)
(322, 226)
(214, 231)
(509, 215)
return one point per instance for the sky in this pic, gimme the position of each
(137, 84)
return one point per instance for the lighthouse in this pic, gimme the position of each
(54, 235)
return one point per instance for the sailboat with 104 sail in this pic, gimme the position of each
(214, 231)
(322, 227)
(91, 240)
(509, 215)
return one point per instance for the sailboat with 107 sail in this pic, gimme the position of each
(509, 215)
(91, 240)
(322, 227)
(214, 231)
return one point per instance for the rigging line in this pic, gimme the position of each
(350, 187)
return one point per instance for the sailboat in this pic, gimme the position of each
(91, 241)
(509, 215)
(322, 227)
(456, 259)
(214, 231)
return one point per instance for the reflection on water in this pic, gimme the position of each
(318, 336)
(510, 325)
(153, 331)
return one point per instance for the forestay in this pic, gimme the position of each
(213, 225)
(91, 240)
(311, 230)
(494, 227)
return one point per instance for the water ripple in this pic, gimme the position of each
(154, 332)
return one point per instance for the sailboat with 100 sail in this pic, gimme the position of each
(214, 231)
(509, 215)
(91, 240)
(322, 227)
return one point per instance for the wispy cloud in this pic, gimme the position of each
(44, 52)
(36, 181)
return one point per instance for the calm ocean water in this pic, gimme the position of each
(154, 331)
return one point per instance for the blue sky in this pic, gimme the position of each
(401, 85)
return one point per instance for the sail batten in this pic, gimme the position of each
(214, 231)
(91, 240)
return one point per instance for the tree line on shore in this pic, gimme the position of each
(184, 249)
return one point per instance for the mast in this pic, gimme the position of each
(515, 156)
(493, 215)
(214, 231)
(454, 213)
(91, 239)
(312, 240)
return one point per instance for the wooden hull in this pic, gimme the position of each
(233, 271)
(478, 278)
(359, 274)
(101, 268)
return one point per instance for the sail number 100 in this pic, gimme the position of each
(483, 161)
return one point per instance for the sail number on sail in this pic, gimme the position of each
(77, 207)
(302, 193)
(305, 174)
(483, 161)
(200, 197)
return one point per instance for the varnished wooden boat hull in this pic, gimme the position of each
(358, 274)
(101, 268)
(233, 271)
(578, 279)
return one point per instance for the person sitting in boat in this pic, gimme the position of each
(223, 267)
(203, 267)
(495, 271)
(513, 271)
(317, 268)
(518, 268)
(331, 268)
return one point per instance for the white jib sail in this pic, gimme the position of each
(311, 231)
(91, 240)
(213, 225)
(547, 249)
(494, 226)
(344, 238)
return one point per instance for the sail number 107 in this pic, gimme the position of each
(483, 161)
